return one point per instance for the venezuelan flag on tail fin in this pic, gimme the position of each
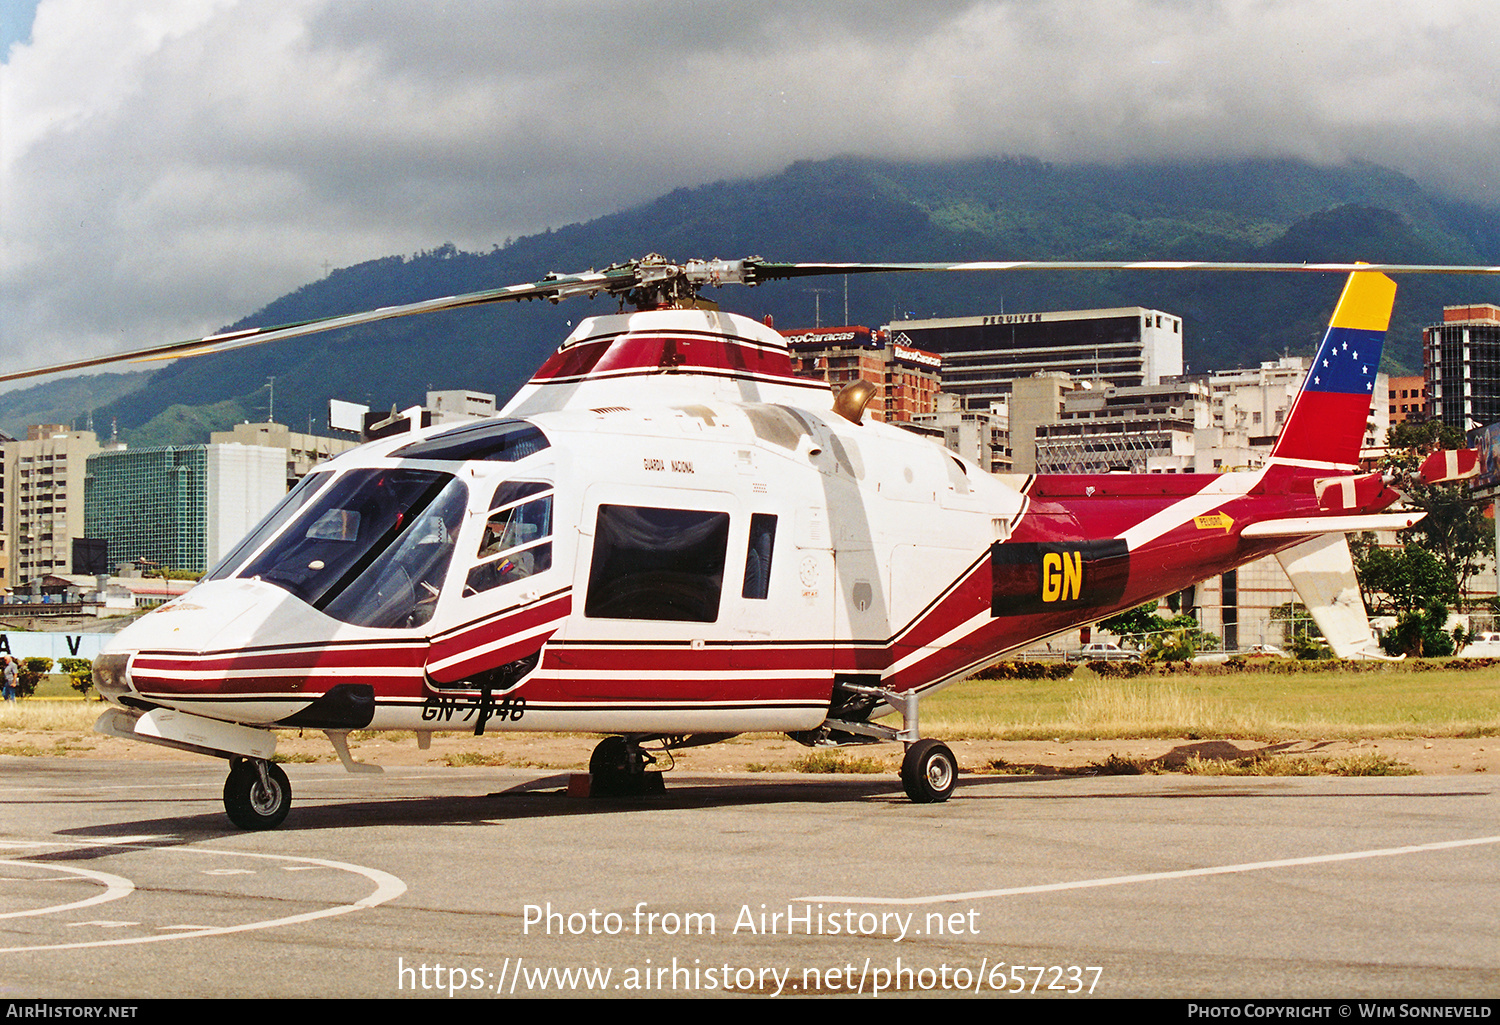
(1328, 418)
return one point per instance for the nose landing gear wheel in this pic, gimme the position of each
(929, 772)
(253, 802)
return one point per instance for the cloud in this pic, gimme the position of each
(170, 165)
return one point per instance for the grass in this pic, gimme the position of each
(1347, 765)
(826, 762)
(1271, 765)
(1391, 701)
(48, 716)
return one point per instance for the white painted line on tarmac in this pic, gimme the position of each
(387, 888)
(1151, 877)
(115, 887)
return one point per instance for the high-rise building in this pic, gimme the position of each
(1461, 364)
(44, 477)
(1126, 347)
(180, 507)
(906, 377)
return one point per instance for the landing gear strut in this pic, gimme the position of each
(618, 769)
(929, 771)
(257, 794)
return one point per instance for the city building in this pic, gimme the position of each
(454, 406)
(982, 356)
(1203, 423)
(442, 407)
(4, 521)
(1408, 397)
(983, 437)
(1035, 402)
(908, 378)
(1141, 429)
(43, 487)
(180, 507)
(1461, 365)
(303, 451)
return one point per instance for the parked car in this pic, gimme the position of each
(1255, 651)
(1106, 650)
(1484, 645)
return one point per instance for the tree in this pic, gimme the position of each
(1442, 551)
(1133, 624)
(1420, 632)
(1169, 640)
(81, 670)
(1300, 633)
(1397, 580)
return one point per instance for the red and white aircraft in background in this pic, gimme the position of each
(668, 538)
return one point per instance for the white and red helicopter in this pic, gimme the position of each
(668, 538)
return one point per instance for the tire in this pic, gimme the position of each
(619, 770)
(249, 803)
(610, 758)
(929, 772)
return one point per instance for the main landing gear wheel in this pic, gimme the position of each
(256, 799)
(929, 772)
(618, 769)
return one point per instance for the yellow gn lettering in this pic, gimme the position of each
(1062, 576)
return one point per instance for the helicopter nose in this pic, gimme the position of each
(111, 679)
(214, 615)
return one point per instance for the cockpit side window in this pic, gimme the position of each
(372, 549)
(516, 541)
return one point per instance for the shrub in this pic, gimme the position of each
(81, 670)
(30, 674)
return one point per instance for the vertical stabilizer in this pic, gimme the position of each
(1328, 418)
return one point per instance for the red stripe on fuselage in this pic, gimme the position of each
(665, 352)
(329, 657)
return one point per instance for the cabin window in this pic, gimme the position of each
(505, 441)
(758, 556)
(516, 542)
(660, 564)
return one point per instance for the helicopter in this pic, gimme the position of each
(668, 538)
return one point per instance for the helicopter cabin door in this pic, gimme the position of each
(512, 599)
(671, 588)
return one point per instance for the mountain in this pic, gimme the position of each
(859, 209)
(69, 401)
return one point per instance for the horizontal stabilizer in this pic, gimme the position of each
(1322, 571)
(1349, 494)
(1301, 525)
(1450, 464)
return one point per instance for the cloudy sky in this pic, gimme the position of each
(168, 166)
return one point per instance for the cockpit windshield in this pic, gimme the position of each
(372, 548)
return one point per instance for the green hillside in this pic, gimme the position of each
(853, 209)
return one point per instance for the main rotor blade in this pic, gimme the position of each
(614, 280)
(763, 271)
(656, 277)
